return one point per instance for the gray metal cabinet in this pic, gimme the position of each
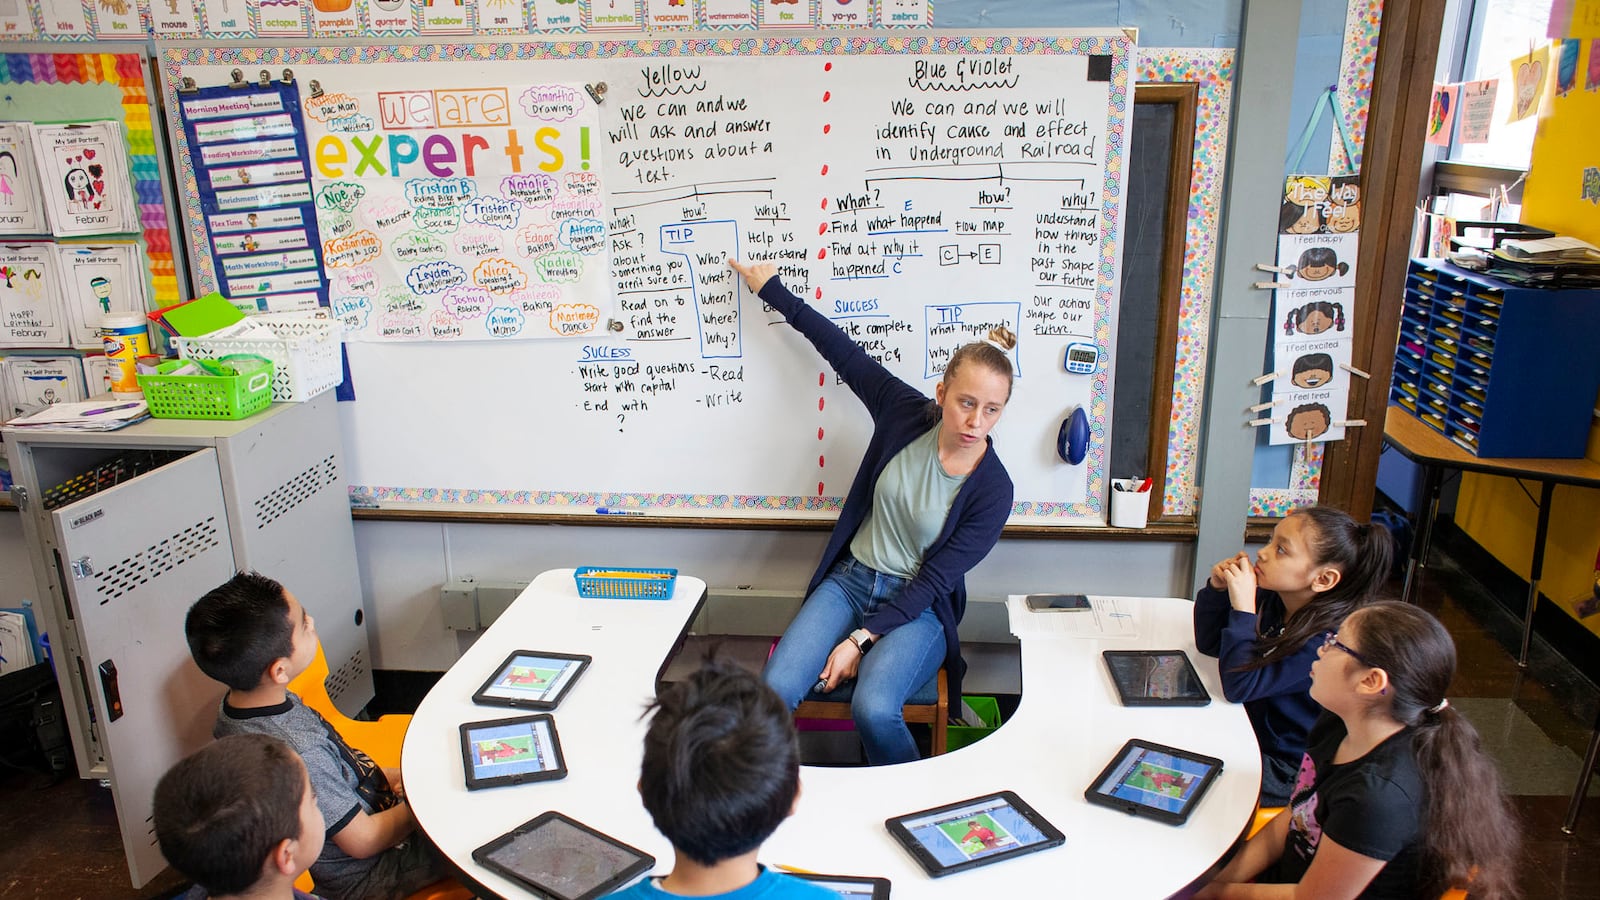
(126, 529)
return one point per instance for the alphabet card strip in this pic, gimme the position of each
(613, 15)
(174, 19)
(559, 15)
(721, 15)
(65, 18)
(16, 21)
(502, 17)
(280, 18)
(846, 13)
(118, 20)
(669, 13)
(787, 14)
(905, 13)
(334, 17)
(391, 17)
(227, 18)
(447, 16)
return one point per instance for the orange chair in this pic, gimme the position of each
(380, 740)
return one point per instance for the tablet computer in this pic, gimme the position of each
(1154, 781)
(973, 833)
(854, 887)
(564, 858)
(532, 679)
(511, 751)
(1155, 678)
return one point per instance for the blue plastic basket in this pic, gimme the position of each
(625, 583)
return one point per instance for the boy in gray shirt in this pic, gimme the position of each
(253, 635)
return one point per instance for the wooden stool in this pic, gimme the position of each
(929, 704)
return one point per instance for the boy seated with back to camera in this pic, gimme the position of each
(253, 635)
(239, 819)
(721, 772)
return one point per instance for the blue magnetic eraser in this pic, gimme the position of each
(1072, 443)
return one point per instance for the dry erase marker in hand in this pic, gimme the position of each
(605, 511)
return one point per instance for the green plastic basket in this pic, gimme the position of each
(234, 388)
(988, 709)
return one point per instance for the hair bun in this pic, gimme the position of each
(1003, 336)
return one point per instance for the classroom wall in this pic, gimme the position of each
(1495, 512)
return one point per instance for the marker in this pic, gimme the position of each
(821, 687)
(606, 511)
(1144, 485)
(107, 409)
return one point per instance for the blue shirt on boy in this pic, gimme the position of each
(769, 885)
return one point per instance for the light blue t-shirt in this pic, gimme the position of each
(769, 885)
(909, 505)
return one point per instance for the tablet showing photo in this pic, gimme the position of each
(1155, 678)
(851, 887)
(1154, 781)
(563, 858)
(511, 751)
(973, 833)
(532, 679)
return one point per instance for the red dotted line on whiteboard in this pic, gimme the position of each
(822, 253)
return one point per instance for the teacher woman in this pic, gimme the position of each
(927, 504)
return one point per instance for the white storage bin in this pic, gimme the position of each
(305, 352)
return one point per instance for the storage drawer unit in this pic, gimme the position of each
(1501, 370)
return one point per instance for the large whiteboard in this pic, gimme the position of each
(916, 189)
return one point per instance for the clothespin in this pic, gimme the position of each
(1270, 285)
(1259, 380)
(1267, 267)
(1354, 371)
(1267, 405)
(1257, 423)
(1351, 423)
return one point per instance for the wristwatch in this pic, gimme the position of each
(862, 638)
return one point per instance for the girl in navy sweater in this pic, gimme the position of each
(1264, 621)
(926, 505)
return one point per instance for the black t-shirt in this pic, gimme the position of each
(1371, 806)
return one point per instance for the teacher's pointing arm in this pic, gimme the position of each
(867, 378)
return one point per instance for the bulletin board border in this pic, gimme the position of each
(176, 57)
(125, 69)
(1211, 70)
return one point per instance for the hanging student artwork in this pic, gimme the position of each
(1477, 110)
(35, 381)
(1442, 112)
(97, 280)
(30, 308)
(460, 214)
(1528, 76)
(1313, 308)
(83, 174)
(21, 206)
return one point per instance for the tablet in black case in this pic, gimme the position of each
(532, 679)
(1154, 781)
(1155, 678)
(511, 751)
(563, 858)
(973, 833)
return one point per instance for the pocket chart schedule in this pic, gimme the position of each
(917, 189)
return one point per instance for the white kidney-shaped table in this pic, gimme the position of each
(1066, 729)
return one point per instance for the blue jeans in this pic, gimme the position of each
(899, 663)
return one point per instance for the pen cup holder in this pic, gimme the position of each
(1130, 509)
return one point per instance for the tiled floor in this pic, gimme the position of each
(60, 840)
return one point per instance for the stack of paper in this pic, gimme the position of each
(100, 414)
(1561, 248)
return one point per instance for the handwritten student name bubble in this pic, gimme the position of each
(443, 327)
(434, 277)
(479, 242)
(439, 193)
(399, 298)
(351, 124)
(494, 211)
(418, 247)
(467, 302)
(504, 321)
(334, 224)
(327, 106)
(400, 325)
(438, 221)
(340, 195)
(385, 213)
(574, 208)
(574, 318)
(562, 266)
(536, 240)
(358, 280)
(352, 312)
(345, 252)
(532, 190)
(499, 275)
(586, 236)
(583, 184)
(551, 102)
(537, 298)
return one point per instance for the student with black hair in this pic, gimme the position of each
(239, 818)
(1262, 620)
(1395, 797)
(721, 772)
(253, 635)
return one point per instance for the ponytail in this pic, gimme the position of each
(1360, 551)
(991, 353)
(1468, 833)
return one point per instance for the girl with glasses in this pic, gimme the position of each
(1395, 797)
(1264, 621)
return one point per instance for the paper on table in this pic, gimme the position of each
(98, 414)
(1105, 617)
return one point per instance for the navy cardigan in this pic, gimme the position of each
(900, 414)
(1276, 697)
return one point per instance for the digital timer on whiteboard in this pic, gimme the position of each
(1081, 358)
